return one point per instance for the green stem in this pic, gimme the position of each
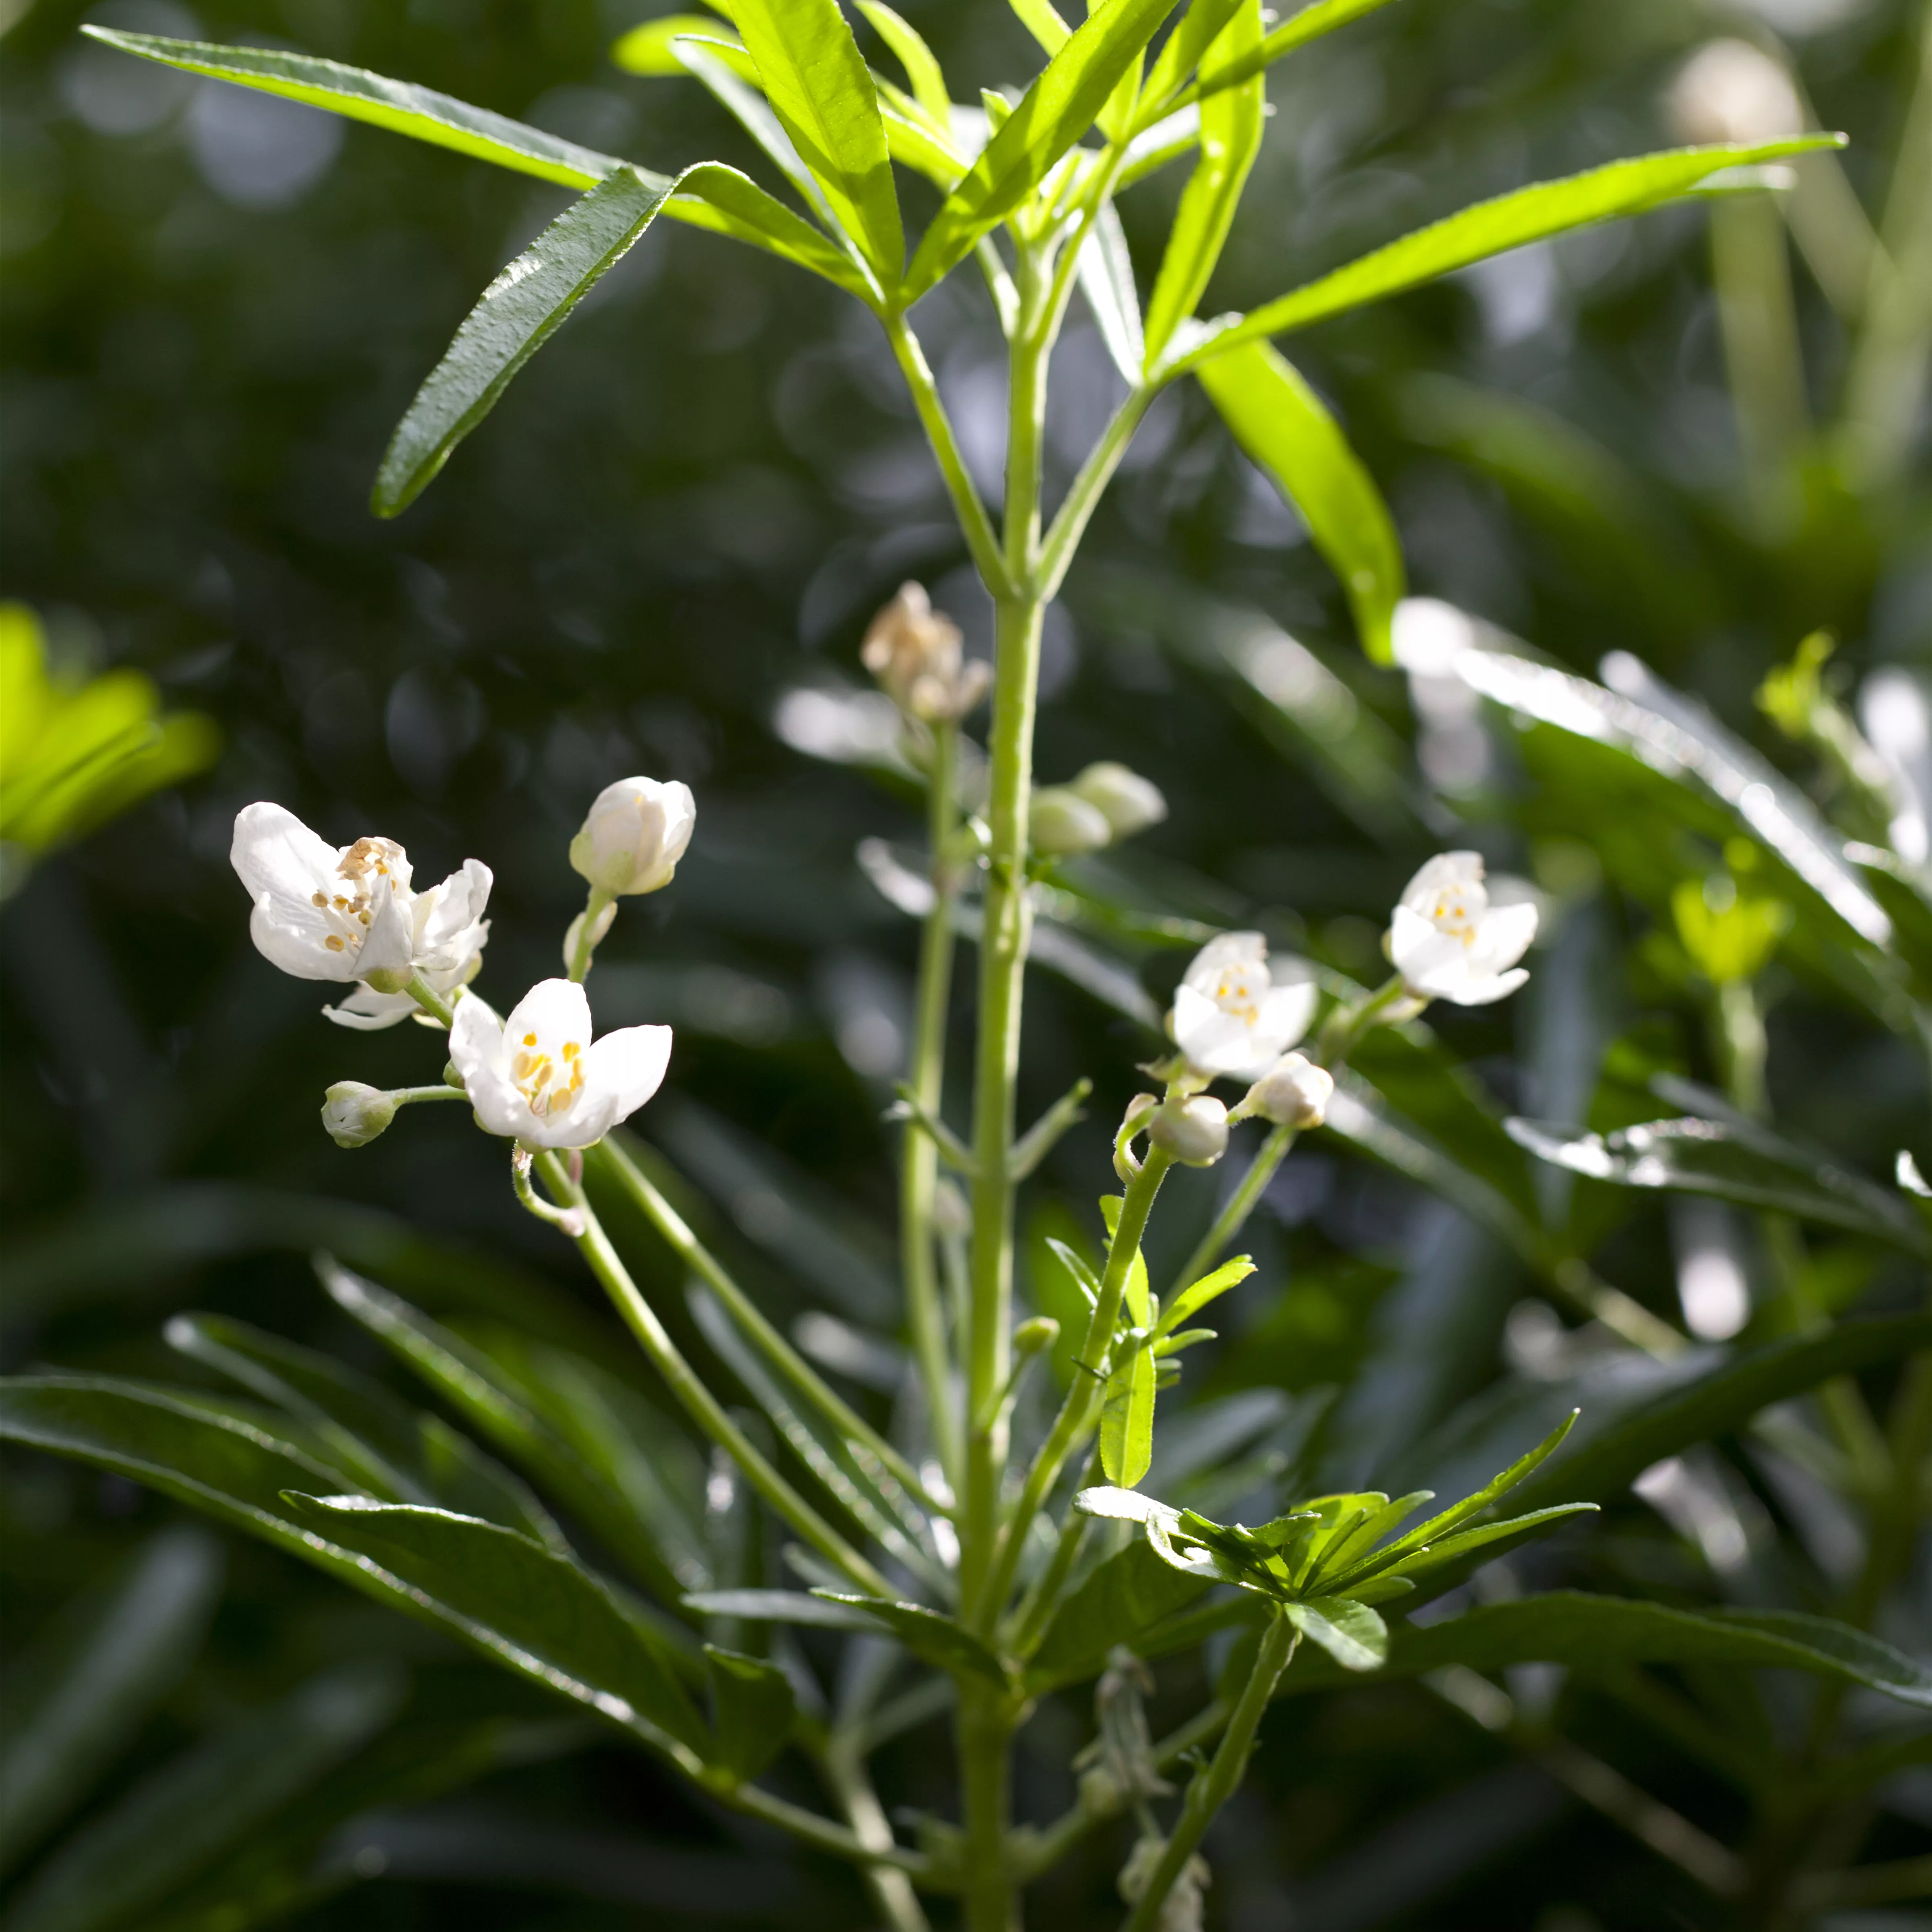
(1076, 1411)
(974, 523)
(1212, 1788)
(426, 996)
(703, 1408)
(821, 1832)
(677, 1235)
(985, 1728)
(919, 1168)
(411, 1097)
(587, 934)
(844, 1770)
(1030, 1620)
(1070, 521)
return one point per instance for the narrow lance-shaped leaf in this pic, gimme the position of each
(1593, 1634)
(1197, 1294)
(751, 1711)
(1127, 1419)
(742, 99)
(1231, 137)
(360, 95)
(519, 312)
(1059, 106)
(1351, 1633)
(650, 47)
(922, 69)
(821, 90)
(1106, 271)
(1225, 68)
(1293, 440)
(1194, 33)
(1489, 228)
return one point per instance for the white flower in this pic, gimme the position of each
(1293, 1093)
(1449, 943)
(1195, 1132)
(1229, 1014)
(536, 1076)
(634, 835)
(349, 914)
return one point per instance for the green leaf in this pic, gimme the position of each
(1738, 1161)
(1137, 1298)
(393, 1449)
(821, 90)
(1591, 1633)
(1451, 1549)
(518, 313)
(1285, 430)
(779, 1607)
(922, 70)
(1197, 1294)
(201, 1806)
(926, 1633)
(508, 1404)
(394, 104)
(1060, 105)
(1107, 280)
(1602, 1465)
(1149, 152)
(1310, 24)
(711, 196)
(1194, 33)
(1041, 19)
(1351, 1633)
(1441, 1524)
(748, 107)
(114, 1661)
(649, 47)
(1128, 1593)
(751, 1711)
(1489, 228)
(1127, 1419)
(540, 1614)
(1230, 138)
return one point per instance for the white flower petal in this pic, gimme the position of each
(1285, 1012)
(1220, 954)
(297, 949)
(551, 1006)
(1448, 871)
(476, 1048)
(1487, 992)
(274, 853)
(1506, 933)
(368, 1011)
(629, 1065)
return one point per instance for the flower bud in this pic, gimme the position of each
(1030, 1338)
(353, 1115)
(1064, 824)
(1194, 1132)
(1129, 802)
(634, 835)
(914, 653)
(573, 933)
(1293, 1093)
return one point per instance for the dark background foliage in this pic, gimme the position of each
(216, 307)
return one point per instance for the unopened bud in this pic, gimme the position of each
(1064, 824)
(1129, 802)
(634, 835)
(573, 936)
(914, 653)
(1293, 1093)
(1731, 90)
(1030, 1338)
(1194, 1132)
(354, 1114)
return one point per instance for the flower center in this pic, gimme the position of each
(1457, 911)
(1238, 992)
(549, 1082)
(347, 905)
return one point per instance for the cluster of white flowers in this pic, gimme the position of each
(350, 913)
(1238, 1015)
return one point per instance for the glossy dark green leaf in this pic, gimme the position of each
(1059, 107)
(499, 1401)
(1129, 1592)
(518, 313)
(1489, 228)
(1230, 138)
(397, 1451)
(394, 104)
(540, 1615)
(1444, 1522)
(779, 1607)
(198, 1807)
(751, 1711)
(822, 92)
(1735, 1161)
(938, 1639)
(85, 1694)
(1282, 425)
(1598, 1465)
(1592, 1634)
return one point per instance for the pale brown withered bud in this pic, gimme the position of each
(914, 653)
